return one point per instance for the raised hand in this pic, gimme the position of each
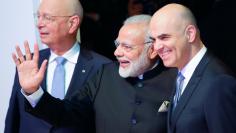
(30, 76)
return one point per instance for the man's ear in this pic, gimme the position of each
(74, 23)
(152, 54)
(191, 33)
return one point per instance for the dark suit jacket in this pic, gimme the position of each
(19, 121)
(208, 103)
(120, 105)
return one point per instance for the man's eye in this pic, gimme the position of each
(127, 47)
(48, 17)
(163, 37)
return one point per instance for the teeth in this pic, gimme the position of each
(165, 52)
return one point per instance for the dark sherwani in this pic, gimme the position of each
(116, 104)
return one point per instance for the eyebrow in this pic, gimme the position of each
(163, 35)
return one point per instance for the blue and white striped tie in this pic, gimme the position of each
(179, 87)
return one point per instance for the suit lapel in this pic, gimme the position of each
(44, 55)
(81, 72)
(189, 90)
(171, 107)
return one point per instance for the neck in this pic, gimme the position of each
(62, 48)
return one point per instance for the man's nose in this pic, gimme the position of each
(118, 52)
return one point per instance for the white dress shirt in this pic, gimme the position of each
(71, 57)
(188, 69)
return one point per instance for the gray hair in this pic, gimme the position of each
(138, 19)
(142, 18)
(77, 8)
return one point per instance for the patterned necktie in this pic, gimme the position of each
(58, 83)
(179, 87)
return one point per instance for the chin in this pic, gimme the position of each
(167, 64)
(125, 73)
(44, 42)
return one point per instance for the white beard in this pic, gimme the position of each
(137, 67)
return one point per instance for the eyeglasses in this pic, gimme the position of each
(46, 18)
(129, 47)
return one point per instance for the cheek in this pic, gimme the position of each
(59, 32)
(131, 56)
(59, 27)
(136, 54)
(52, 29)
(181, 50)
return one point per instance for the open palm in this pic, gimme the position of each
(30, 76)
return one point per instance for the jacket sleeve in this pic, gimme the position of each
(78, 110)
(12, 120)
(221, 105)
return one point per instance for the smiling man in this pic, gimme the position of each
(205, 92)
(133, 53)
(124, 96)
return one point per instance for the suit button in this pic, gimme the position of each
(140, 85)
(138, 102)
(133, 121)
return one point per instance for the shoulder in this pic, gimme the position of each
(217, 67)
(110, 67)
(44, 54)
(91, 55)
(44, 51)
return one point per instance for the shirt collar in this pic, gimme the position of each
(71, 55)
(188, 70)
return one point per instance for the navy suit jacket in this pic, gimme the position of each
(208, 103)
(19, 121)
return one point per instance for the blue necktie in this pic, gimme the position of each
(58, 83)
(179, 87)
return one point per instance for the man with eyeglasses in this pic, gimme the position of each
(57, 22)
(130, 95)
